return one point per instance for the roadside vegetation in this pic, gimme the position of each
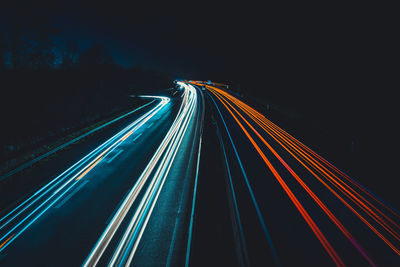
(51, 89)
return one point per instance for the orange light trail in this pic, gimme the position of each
(5, 242)
(366, 205)
(360, 201)
(265, 120)
(320, 169)
(309, 191)
(96, 161)
(293, 140)
(88, 169)
(351, 194)
(328, 247)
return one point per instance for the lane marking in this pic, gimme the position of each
(138, 124)
(189, 243)
(253, 198)
(151, 124)
(116, 155)
(170, 144)
(71, 169)
(236, 211)
(29, 163)
(71, 194)
(134, 139)
(172, 245)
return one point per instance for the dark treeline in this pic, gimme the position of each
(48, 89)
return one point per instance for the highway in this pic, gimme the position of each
(96, 210)
(291, 207)
(198, 178)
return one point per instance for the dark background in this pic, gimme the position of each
(335, 65)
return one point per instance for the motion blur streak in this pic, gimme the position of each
(328, 247)
(309, 191)
(153, 176)
(5, 242)
(256, 205)
(72, 141)
(189, 243)
(365, 205)
(26, 213)
(355, 197)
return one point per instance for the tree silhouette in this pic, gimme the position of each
(70, 55)
(96, 56)
(40, 51)
(31, 34)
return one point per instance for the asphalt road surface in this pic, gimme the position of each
(195, 179)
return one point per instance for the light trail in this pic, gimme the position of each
(302, 169)
(189, 243)
(320, 169)
(153, 176)
(74, 167)
(365, 205)
(242, 240)
(308, 190)
(192, 214)
(25, 214)
(326, 244)
(253, 198)
(33, 161)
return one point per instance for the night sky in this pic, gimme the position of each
(231, 41)
(305, 50)
(337, 62)
(330, 70)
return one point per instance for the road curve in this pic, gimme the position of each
(199, 178)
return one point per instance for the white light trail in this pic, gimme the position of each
(26, 213)
(154, 176)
